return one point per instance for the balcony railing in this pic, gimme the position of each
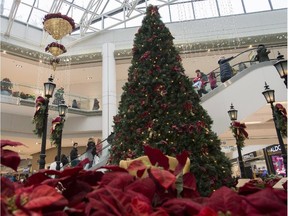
(26, 95)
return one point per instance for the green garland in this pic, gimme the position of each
(55, 135)
(239, 133)
(281, 119)
(38, 119)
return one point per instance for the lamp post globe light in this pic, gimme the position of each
(48, 93)
(270, 98)
(62, 109)
(233, 117)
(281, 67)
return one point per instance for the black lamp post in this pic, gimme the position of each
(270, 98)
(48, 93)
(233, 117)
(281, 67)
(62, 109)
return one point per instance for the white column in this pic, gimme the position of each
(108, 92)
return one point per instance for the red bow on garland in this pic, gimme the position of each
(239, 132)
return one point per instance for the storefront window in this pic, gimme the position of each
(278, 164)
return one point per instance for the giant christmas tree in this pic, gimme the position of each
(160, 108)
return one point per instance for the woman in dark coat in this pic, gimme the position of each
(225, 69)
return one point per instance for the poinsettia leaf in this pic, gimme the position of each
(156, 157)
(90, 177)
(69, 171)
(181, 207)
(140, 173)
(4, 143)
(114, 168)
(138, 166)
(75, 191)
(83, 162)
(159, 212)
(10, 159)
(163, 177)
(182, 158)
(140, 206)
(7, 187)
(266, 202)
(189, 181)
(248, 188)
(145, 186)
(117, 179)
(36, 178)
(45, 196)
(225, 199)
(189, 186)
(206, 211)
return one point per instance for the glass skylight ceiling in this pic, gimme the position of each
(97, 15)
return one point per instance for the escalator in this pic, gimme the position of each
(244, 90)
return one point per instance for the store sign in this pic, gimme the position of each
(249, 156)
(275, 149)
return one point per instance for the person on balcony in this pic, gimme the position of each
(262, 53)
(225, 68)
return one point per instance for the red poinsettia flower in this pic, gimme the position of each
(10, 158)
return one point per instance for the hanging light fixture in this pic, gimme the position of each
(54, 62)
(58, 25)
(55, 49)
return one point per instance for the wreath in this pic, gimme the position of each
(239, 132)
(281, 119)
(56, 131)
(39, 116)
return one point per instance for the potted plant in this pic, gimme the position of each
(6, 86)
(23, 95)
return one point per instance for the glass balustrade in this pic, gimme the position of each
(19, 94)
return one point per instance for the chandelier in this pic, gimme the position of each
(58, 25)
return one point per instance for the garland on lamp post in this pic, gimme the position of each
(281, 119)
(239, 133)
(56, 130)
(39, 116)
